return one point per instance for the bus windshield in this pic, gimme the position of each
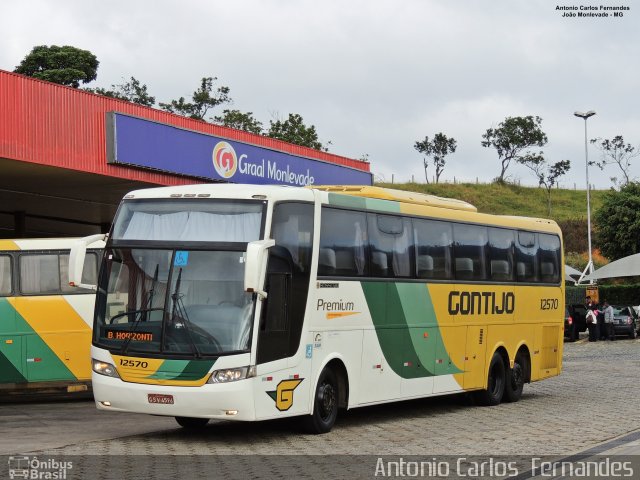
(172, 281)
(173, 301)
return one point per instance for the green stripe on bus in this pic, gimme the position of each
(362, 203)
(8, 372)
(406, 327)
(182, 369)
(196, 369)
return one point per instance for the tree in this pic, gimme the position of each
(240, 121)
(438, 148)
(293, 130)
(615, 152)
(547, 174)
(618, 222)
(202, 100)
(131, 91)
(512, 138)
(65, 65)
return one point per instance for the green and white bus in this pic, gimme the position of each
(251, 302)
(45, 324)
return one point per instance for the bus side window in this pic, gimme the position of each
(89, 272)
(433, 240)
(549, 258)
(501, 254)
(526, 257)
(344, 232)
(39, 274)
(391, 245)
(5, 275)
(469, 247)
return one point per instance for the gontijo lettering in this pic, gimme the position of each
(481, 303)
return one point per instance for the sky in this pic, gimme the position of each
(372, 76)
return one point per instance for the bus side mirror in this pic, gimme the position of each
(76, 260)
(255, 266)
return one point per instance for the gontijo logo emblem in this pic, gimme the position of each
(225, 160)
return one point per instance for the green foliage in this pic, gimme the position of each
(510, 199)
(618, 222)
(512, 138)
(202, 100)
(574, 235)
(614, 294)
(64, 65)
(615, 152)
(547, 174)
(293, 130)
(131, 91)
(240, 121)
(438, 148)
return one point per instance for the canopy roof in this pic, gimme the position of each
(625, 267)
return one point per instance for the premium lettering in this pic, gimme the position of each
(481, 303)
(334, 306)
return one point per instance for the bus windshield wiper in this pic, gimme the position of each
(141, 313)
(179, 310)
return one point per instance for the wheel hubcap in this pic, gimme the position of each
(327, 400)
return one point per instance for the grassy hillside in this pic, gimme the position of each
(513, 199)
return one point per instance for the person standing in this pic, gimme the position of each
(592, 320)
(608, 321)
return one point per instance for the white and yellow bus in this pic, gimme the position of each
(45, 325)
(259, 302)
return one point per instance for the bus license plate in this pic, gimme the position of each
(158, 398)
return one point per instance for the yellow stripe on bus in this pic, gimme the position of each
(8, 245)
(61, 328)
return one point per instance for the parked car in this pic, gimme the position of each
(574, 321)
(625, 321)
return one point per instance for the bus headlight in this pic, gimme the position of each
(104, 368)
(232, 374)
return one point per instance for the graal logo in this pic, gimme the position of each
(33, 468)
(225, 160)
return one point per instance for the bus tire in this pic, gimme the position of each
(192, 423)
(325, 404)
(515, 379)
(495, 383)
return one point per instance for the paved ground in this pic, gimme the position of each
(592, 407)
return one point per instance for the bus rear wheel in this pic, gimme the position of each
(495, 383)
(192, 423)
(325, 404)
(515, 379)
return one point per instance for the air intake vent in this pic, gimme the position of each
(481, 336)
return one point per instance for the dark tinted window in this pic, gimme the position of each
(526, 254)
(433, 249)
(293, 230)
(343, 241)
(501, 254)
(470, 242)
(549, 258)
(5, 275)
(391, 243)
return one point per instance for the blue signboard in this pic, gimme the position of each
(147, 144)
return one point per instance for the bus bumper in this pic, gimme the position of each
(229, 401)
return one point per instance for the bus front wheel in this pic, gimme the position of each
(325, 404)
(192, 423)
(495, 383)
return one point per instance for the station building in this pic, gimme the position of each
(68, 156)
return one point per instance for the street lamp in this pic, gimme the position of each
(589, 268)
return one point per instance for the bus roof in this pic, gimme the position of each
(399, 196)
